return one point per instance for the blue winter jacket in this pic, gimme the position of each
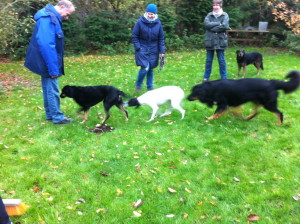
(46, 49)
(149, 41)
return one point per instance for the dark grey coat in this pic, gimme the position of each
(215, 31)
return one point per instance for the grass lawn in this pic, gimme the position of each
(183, 171)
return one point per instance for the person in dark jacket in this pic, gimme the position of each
(45, 55)
(149, 42)
(216, 24)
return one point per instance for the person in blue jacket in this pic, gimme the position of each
(216, 24)
(45, 55)
(149, 42)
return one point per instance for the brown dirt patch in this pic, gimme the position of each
(102, 129)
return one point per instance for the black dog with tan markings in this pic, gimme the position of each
(232, 93)
(89, 96)
(243, 59)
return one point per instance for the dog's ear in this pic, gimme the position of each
(133, 102)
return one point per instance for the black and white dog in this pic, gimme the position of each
(157, 97)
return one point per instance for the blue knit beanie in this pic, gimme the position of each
(151, 8)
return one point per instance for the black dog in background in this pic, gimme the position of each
(88, 96)
(229, 92)
(243, 59)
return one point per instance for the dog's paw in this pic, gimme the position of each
(98, 125)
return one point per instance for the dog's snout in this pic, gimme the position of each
(191, 98)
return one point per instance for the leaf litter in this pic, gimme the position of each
(102, 129)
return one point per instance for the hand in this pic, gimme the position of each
(162, 55)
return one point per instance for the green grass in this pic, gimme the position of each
(51, 167)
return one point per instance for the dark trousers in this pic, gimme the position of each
(4, 219)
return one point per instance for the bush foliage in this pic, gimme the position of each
(105, 27)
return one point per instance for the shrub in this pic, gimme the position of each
(292, 42)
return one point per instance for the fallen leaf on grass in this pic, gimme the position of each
(81, 200)
(236, 179)
(217, 217)
(212, 203)
(136, 214)
(296, 198)
(185, 215)
(187, 190)
(49, 199)
(200, 203)
(170, 215)
(172, 190)
(119, 192)
(36, 189)
(103, 210)
(253, 217)
(181, 199)
(138, 203)
(104, 174)
(159, 154)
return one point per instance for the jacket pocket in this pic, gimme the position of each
(223, 40)
(209, 43)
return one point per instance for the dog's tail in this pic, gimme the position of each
(291, 85)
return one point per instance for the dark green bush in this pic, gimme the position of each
(292, 42)
(105, 28)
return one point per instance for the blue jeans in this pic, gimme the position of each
(52, 100)
(150, 77)
(209, 61)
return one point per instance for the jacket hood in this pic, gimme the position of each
(144, 20)
(49, 10)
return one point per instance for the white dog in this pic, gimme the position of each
(157, 97)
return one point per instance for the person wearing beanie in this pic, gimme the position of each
(149, 42)
(216, 24)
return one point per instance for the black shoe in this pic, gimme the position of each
(65, 121)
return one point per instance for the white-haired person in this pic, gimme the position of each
(45, 55)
